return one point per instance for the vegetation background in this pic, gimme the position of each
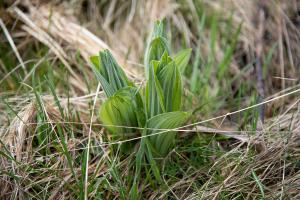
(243, 141)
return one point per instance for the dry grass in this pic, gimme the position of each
(233, 169)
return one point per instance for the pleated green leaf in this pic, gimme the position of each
(154, 93)
(170, 120)
(159, 30)
(120, 110)
(156, 49)
(108, 89)
(161, 103)
(164, 61)
(109, 73)
(114, 72)
(157, 45)
(97, 63)
(182, 58)
(170, 80)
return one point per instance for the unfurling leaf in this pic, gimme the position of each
(118, 112)
(154, 93)
(160, 103)
(157, 45)
(170, 80)
(182, 58)
(163, 141)
(109, 73)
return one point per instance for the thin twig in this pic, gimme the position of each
(259, 71)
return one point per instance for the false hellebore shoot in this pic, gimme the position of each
(154, 112)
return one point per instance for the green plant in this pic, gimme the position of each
(151, 109)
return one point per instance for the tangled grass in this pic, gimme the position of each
(242, 82)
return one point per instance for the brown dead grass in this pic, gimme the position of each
(125, 26)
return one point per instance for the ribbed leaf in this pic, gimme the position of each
(165, 60)
(154, 93)
(156, 49)
(182, 58)
(159, 30)
(109, 73)
(164, 141)
(116, 76)
(170, 80)
(97, 63)
(120, 110)
(108, 89)
(163, 91)
(157, 45)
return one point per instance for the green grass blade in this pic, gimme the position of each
(153, 163)
(223, 66)
(52, 89)
(259, 184)
(83, 174)
(65, 150)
